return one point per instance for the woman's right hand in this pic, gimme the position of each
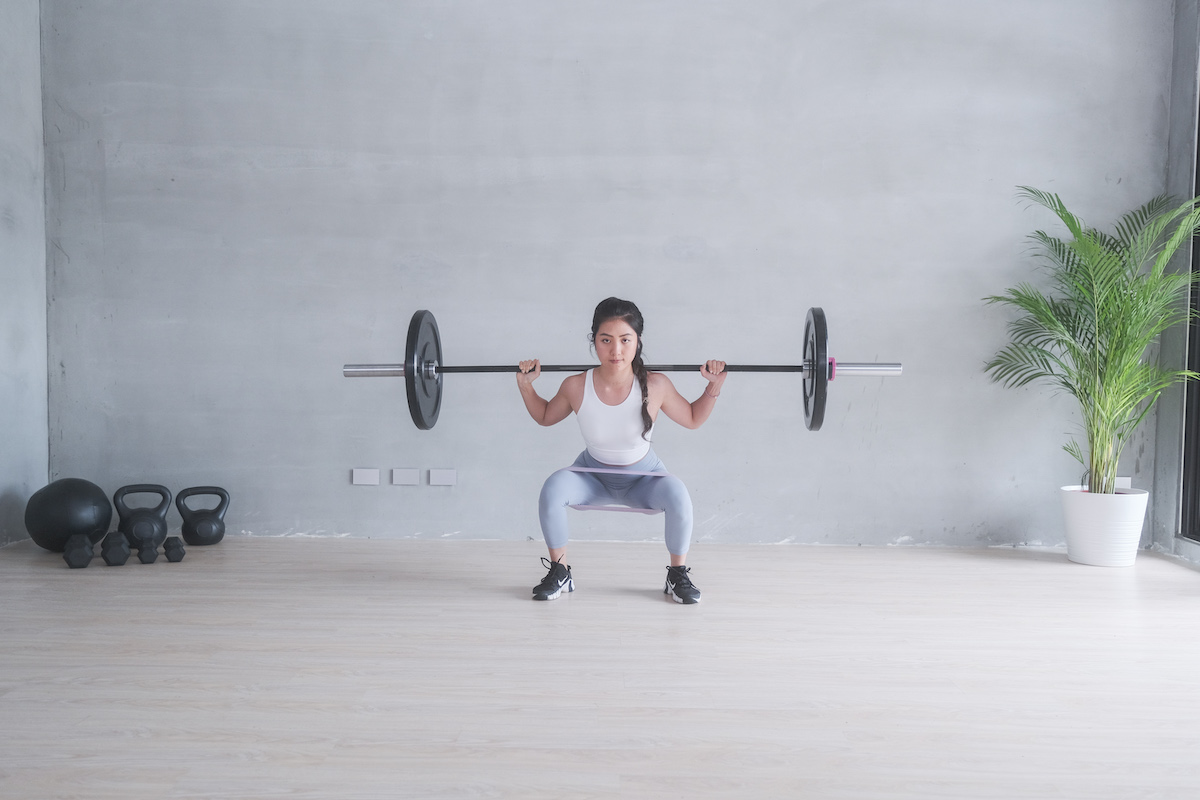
(529, 372)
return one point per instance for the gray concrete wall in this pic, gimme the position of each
(245, 196)
(23, 421)
(1166, 510)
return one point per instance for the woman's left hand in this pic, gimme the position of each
(714, 372)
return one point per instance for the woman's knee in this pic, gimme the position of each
(672, 495)
(559, 488)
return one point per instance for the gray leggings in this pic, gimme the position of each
(565, 488)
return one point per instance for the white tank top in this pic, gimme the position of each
(613, 434)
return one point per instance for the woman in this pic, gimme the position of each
(617, 404)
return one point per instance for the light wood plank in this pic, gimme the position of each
(319, 668)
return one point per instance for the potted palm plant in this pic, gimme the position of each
(1110, 296)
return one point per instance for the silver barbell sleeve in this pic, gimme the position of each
(866, 370)
(373, 371)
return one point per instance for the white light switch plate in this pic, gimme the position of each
(406, 477)
(364, 477)
(443, 477)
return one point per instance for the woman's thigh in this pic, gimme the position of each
(667, 493)
(567, 488)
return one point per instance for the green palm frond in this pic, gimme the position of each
(1109, 298)
(1133, 225)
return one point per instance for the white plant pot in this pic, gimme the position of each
(1104, 530)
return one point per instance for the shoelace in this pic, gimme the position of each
(550, 579)
(680, 574)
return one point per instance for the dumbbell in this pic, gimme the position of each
(79, 551)
(115, 550)
(173, 549)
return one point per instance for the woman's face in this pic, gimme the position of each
(616, 344)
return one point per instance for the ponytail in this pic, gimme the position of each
(643, 377)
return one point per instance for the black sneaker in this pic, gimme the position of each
(557, 579)
(680, 586)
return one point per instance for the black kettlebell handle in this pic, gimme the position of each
(218, 512)
(159, 510)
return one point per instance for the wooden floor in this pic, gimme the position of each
(349, 668)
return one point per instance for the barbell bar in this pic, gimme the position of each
(423, 369)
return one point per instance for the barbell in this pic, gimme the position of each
(423, 369)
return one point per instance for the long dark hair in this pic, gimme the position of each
(627, 312)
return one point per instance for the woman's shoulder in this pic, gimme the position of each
(572, 388)
(658, 380)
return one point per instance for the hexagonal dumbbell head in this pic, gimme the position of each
(173, 549)
(147, 552)
(115, 550)
(79, 551)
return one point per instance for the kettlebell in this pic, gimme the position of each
(205, 525)
(143, 527)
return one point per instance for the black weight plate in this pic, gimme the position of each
(816, 380)
(424, 347)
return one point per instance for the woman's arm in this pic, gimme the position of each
(689, 415)
(557, 408)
